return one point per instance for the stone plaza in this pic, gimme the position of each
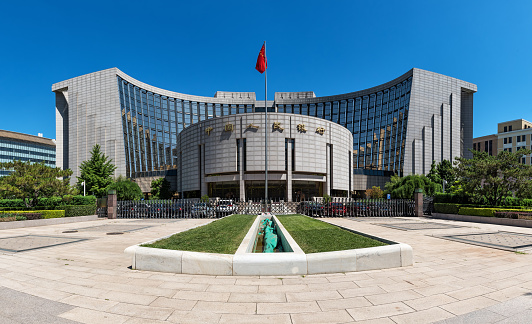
(88, 279)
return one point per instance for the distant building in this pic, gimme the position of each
(511, 136)
(486, 143)
(24, 147)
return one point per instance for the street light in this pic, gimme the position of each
(83, 183)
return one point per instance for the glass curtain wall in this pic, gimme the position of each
(377, 121)
(151, 123)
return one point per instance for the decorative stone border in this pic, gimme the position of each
(49, 221)
(485, 220)
(246, 263)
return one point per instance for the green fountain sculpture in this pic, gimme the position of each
(270, 238)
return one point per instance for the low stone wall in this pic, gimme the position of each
(43, 222)
(485, 220)
(246, 263)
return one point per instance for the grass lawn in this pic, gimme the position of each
(221, 236)
(315, 236)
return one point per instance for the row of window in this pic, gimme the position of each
(18, 152)
(10, 158)
(516, 149)
(151, 123)
(488, 147)
(509, 128)
(518, 138)
(28, 146)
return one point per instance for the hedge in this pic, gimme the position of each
(11, 203)
(67, 200)
(11, 217)
(489, 212)
(514, 214)
(440, 197)
(60, 211)
(45, 213)
(446, 208)
(72, 211)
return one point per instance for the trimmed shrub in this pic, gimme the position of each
(11, 217)
(45, 213)
(83, 200)
(489, 212)
(446, 208)
(440, 197)
(49, 202)
(8, 217)
(72, 211)
(15, 208)
(11, 203)
(32, 216)
(511, 201)
(472, 211)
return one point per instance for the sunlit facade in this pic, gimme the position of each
(398, 127)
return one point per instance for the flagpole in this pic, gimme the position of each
(266, 132)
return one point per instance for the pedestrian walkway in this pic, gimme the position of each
(89, 281)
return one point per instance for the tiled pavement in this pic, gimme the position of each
(90, 282)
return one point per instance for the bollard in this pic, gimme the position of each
(418, 201)
(111, 204)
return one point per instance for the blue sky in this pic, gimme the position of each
(201, 47)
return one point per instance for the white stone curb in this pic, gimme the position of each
(246, 263)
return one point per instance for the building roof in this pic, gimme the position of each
(26, 138)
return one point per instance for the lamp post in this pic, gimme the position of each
(444, 182)
(83, 183)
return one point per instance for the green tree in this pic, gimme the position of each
(374, 193)
(204, 198)
(126, 189)
(434, 175)
(96, 173)
(160, 189)
(31, 181)
(403, 188)
(446, 171)
(492, 178)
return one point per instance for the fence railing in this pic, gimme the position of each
(215, 208)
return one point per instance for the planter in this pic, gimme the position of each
(485, 220)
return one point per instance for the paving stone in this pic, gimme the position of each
(418, 226)
(477, 317)
(344, 303)
(314, 295)
(338, 316)
(227, 308)
(97, 287)
(425, 316)
(255, 319)
(468, 305)
(513, 306)
(32, 242)
(90, 316)
(501, 240)
(372, 312)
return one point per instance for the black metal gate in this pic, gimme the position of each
(215, 208)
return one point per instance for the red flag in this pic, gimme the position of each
(262, 63)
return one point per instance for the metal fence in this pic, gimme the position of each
(428, 205)
(215, 208)
(101, 207)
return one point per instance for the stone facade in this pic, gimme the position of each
(211, 150)
(398, 127)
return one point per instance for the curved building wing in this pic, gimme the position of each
(398, 127)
